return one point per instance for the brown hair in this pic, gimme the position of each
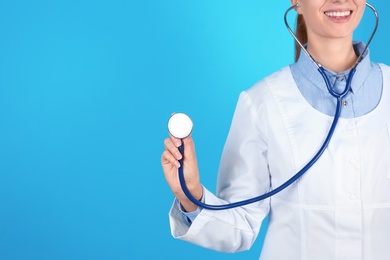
(301, 33)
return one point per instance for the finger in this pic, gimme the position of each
(189, 151)
(167, 158)
(175, 140)
(172, 148)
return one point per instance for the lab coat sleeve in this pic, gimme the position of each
(243, 174)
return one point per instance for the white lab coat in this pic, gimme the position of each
(340, 209)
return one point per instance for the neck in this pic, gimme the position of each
(334, 54)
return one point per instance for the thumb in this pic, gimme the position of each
(189, 150)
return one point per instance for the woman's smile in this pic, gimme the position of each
(339, 16)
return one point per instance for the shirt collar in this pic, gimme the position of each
(310, 71)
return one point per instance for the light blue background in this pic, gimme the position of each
(86, 89)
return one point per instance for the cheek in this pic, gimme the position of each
(313, 5)
(311, 9)
(313, 22)
(360, 2)
(359, 14)
(360, 7)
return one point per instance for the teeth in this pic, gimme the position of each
(338, 14)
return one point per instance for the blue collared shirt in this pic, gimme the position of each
(365, 94)
(366, 86)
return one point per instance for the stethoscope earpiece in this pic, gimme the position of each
(180, 125)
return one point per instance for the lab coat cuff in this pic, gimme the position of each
(189, 217)
(181, 227)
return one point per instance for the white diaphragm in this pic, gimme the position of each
(180, 125)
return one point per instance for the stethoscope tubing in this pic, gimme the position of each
(338, 96)
(272, 192)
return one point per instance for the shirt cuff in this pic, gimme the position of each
(189, 217)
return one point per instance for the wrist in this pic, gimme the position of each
(186, 204)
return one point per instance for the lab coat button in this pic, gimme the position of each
(353, 197)
(353, 162)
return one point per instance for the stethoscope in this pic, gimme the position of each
(180, 126)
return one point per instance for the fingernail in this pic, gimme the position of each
(177, 164)
(177, 142)
(178, 155)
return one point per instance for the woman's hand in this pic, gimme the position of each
(170, 164)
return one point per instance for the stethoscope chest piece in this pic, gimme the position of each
(180, 125)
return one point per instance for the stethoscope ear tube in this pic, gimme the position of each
(348, 85)
(308, 54)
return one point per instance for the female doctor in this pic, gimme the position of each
(340, 209)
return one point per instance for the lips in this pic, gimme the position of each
(338, 14)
